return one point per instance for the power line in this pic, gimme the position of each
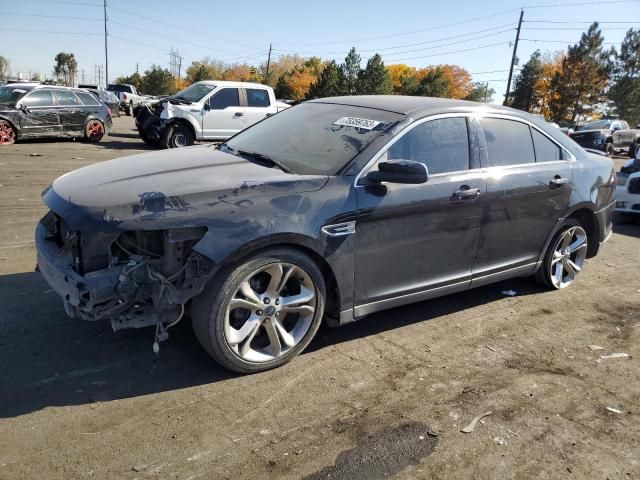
(571, 28)
(411, 44)
(48, 31)
(557, 41)
(578, 21)
(183, 28)
(60, 2)
(451, 52)
(52, 16)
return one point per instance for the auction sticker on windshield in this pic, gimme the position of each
(357, 122)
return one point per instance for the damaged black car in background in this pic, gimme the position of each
(333, 209)
(45, 111)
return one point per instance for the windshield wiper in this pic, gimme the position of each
(264, 159)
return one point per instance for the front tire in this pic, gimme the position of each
(177, 136)
(128, 110)
(564, 257)
(7, 133)
(261, 312)
(608, 149)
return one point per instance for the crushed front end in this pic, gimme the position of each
(134, 278)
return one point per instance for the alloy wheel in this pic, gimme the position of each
(95, 130)
(270, 312)
(568, 256)
(179, 140)
(7, 134)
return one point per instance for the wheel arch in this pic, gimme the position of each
(585, 214)
(303, 244)
(185, 122)
(13, 125)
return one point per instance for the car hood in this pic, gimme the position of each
(184, 182)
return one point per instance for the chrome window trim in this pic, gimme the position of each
(570, 156)
(406, 130)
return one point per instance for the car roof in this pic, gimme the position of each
(228, 83)
(420, 106)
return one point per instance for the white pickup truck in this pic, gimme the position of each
(209, 110)
(128, 95)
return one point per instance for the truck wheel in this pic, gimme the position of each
(94, 130)
(261, 312)
(7, 133)
(608, 149)
(177, 136)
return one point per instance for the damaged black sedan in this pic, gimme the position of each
(330, 210)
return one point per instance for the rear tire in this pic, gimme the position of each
(261, 312)
(177, 136)
(564, 258)
(94, 130)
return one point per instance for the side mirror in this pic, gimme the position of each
(24, 108)
(207, 107)
(399, 171)
(615, 128)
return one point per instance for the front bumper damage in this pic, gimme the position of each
(139, 291)
(148, 122)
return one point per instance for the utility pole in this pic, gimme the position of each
(486, 91)
(513, 59)
(179, 66)
(266, 75)
(106, 50)
(137, 67)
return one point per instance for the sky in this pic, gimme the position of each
(477, 36)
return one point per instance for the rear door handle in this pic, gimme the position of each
(558, 181)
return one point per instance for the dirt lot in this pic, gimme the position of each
(386, 396)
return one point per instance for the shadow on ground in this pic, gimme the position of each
(51, 360)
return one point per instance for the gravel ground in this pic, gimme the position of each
(387, 396)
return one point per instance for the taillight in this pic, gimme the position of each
(124, 96)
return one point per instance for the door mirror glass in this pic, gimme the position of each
(399, 171)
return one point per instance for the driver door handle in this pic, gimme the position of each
(558, 181)
(238, 114)
(464, 192)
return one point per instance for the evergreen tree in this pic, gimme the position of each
(158, 81)
(350, 70)
(524, 95)
(374, 79)
(625, 91)
(434, 84)
(581, 82)
(330, 84)
(480, 92)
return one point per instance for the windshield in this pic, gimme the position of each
(195, 92)
(315, 138)
(9, 96)
(119, 88)
(601, 125)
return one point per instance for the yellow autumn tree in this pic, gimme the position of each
(398, 74)
(457, 78)
(551, 65)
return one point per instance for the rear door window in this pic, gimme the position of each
(66, 98)
(546, 150)
(87, 99)
(442, 145)
(509, 142)
(38, 98)
(227, 97)
(257, 97)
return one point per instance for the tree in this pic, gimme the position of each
(398, 76)
(581, 83)
(35, 77)
(525, 95)
(458, 80)
(350, 70)
(66, 68)
(330, 84)
(4, 67)
(158, 81)
(480, 92)
(241, 72)
(374, 79)
(205, 69)
(550, 67)
(295, 85)
(625, 89)
(433, 84)
(134, 79)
